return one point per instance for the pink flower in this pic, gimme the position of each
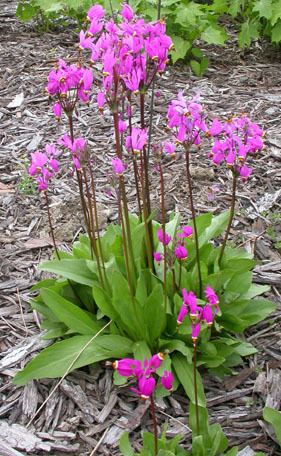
(183, 312)
(117, 166)
(122, 126)
(216, 128)
(127, 367)
(146, 386)
(181, 252)
(127, 12)
(165, 240)
(95, 12)
(211, 296)
(136, 142)
(207, 315)
(85, 41)
(195, 331)
(57, 110)
(167, 380)
(190, 301)
(245, 172)
(100, 100)
(38, 161)
(155, 361)
(186, 232)
(169, 148)
(157, 257)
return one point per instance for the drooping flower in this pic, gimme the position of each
(127, 367)
(180, 252)
(157, 257)
(211, 296)
(118, 166)
(167, 380)
(195, 331)
(186, 232)
(164, 239)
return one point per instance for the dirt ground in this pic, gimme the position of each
(87, 414)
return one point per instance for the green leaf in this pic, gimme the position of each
(245, 349)
(264, 8)
(196, 68)
(276, 12)
(216, 227)
(154, 313)
(176, 345)
(188, 15)
(214, 35)
(141, 350)
(184, 371)
(239, 283)
(232, 452)
(26, 11)
(249, 31)
(276, 32)
(236, 7)
(273, 417)
(56, 360)
(104, 302)
(68, 313)
(48, 7)
(71, 269)
(198, 447)
(181, 45)
(125, 446)
(165, 453)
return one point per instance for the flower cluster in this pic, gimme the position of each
(178, 248)
(234, 141)
(69, 83)
(131, 52)
(198, 314)
(76, 148)
(144, 374)
(44, 165)
(187, 119)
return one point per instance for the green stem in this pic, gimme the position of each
(231, 215)
(193, 214)
(195, 387)
(154, 420)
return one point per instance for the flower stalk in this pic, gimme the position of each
(154, 423)
(193, 214)
(231, 215)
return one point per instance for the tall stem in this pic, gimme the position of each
(154, 420)
(195, 387)
(163, 213)
(51, 225)
(231, 215)
(193, 214)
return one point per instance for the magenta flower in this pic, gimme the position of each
(195, 331)
(57, 110)
(127, 367)
(186, 232)
(211, 296)
(167, 380)
(122, 126)
(190, 301)
(164, 239)
(44, 166)
(156, 361)
(207, 315)
(157, 257)
(245, 172)
(117, 166)
(136, 141)
(180, 252)
(169, 149)
(95, 12)
(216, 128)
(38, 161)
(146, 387)
(182, 314)
(127, 12)
(100, 100)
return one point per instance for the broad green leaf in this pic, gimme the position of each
(181, 47)
(72, 269)
(184, 371)
(236, 6)
(176, 345)
(255, 290)
(245, 349)
(276, 12)
(154, 313)
(48, 7)
(198, 446)
(188, 14)
(196, 68)
(217, 226)
(125, 445)
(257, 310)
(276, 32)
(239, 283)
(56, 360)
(141, 350)
(203, 222)
(68, 313)
(165, 453)
(220, 6)
(273, 417)
(249, 31)
(214, 35)
(219, 441)
(232, 452)
(104, 301)
(26, 11)
(264, 8)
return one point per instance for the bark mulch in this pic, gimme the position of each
(86, 414)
